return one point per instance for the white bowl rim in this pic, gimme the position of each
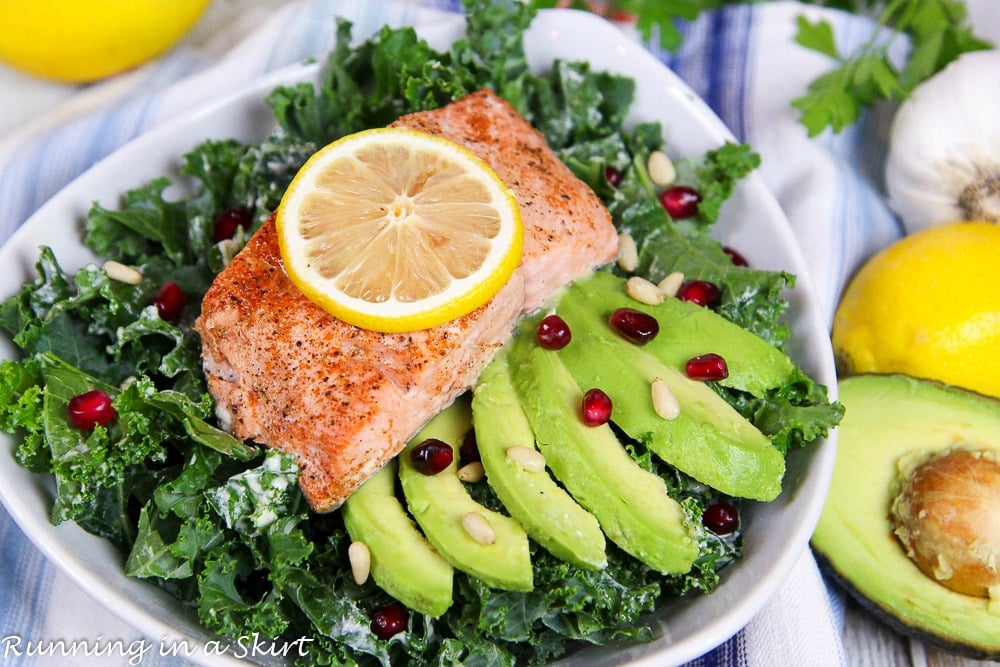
(562, 32)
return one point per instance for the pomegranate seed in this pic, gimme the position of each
(553, 333)
(613, 175)
(634, 326)
(90, 409)
(709, 366)
(432, 456)
(227, 222)
(621, 16)
(680, 201)
(700, 292)
(469, 451)
(389, 620)
(738, 259)
(596, 407)
(169, 301)
(720, 518)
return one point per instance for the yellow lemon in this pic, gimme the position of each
(927, 306)
(85, 40)
(397, 230)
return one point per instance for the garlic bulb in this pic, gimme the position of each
(944, 146)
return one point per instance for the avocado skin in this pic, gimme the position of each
(887, 417)
(403, 564)
(438, 503)
(548, 514)
(908, 629)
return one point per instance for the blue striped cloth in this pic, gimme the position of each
(742, 60)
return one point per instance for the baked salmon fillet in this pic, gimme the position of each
(344, 400)
(567, 229)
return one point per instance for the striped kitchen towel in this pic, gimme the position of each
(742, 60)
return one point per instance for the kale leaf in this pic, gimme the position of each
(224, 526)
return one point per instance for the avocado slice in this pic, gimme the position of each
(630, 503)
(888, 420)
(708, 440)
(403, 564)
(548, 514)
(440, 502)
(688, 330)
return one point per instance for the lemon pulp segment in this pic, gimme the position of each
(398, 230)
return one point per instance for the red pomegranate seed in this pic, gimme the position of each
(720, 518)
(613, 175)
(432, 456)
(553, 333)
(90, 409)
(680, 201)
(621, 16)
(700, 292)
(634, 325)
(469, 451)
(389, 620)
(738, 259)
(169, 301)
(709, 366)
(227, 222)
(596, 407)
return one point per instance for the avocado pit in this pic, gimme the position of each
(945, 516)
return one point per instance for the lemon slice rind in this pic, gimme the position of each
(313, 189)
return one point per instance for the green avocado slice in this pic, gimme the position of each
(549, 514)
(709, 440)
(403, 564)
(755, 366)
(440, 502)
(630, 503)
(888, 420)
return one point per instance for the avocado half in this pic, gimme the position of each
(889, 418)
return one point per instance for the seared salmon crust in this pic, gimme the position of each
(344, 400)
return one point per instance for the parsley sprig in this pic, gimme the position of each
(937, 32)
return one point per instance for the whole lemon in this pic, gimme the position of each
(927, 306)
(86, 40)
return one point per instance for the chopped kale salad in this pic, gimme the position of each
(221, 524)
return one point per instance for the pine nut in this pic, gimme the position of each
(528, 458)
(361, 561)
(664, 401)
(643, 291)
(479, 529)
(122, 273)
(471, 472)
(661, 168)
(671, 284)
(228, 249)
(628, 253)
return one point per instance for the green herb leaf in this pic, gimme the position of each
(252, 500)
(224, 526)
(151, 556)
(938, 33)
(192, 417)
(817, 36)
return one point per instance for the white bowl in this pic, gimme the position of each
(775, 534)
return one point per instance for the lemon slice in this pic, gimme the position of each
(398, 230)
